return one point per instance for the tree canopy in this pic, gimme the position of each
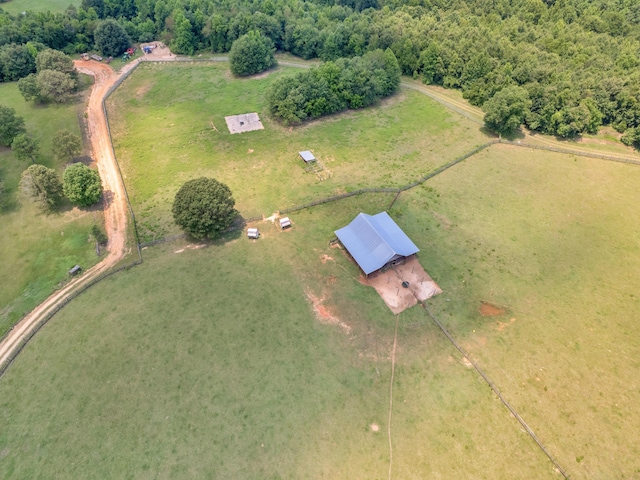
(54, 86)
(82, 185)
(204, 208)
(41, 185)
(11, 125)
(334, 86)
(557, 51)
(25, 147)
(66, 145)
(111, 39)
(506, 110)
(252, 53)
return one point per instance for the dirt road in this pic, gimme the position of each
(115, 203)
(115, 208)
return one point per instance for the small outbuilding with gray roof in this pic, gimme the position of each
(307, 156)
(375, 241)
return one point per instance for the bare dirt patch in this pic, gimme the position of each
(389, 285)
(489, 310)
(374, 427)
(465, 361)
(502, 325)
(142, 90)
(325, 258)
(324, 315)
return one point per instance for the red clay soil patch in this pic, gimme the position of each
(388, 284)
(325, 258)
(324, 315)
(489, 310)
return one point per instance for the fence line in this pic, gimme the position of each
(333, 198)
(493, 387)
(113, 87)
(448, 165)
(5, 365)
(170, 238)
(23, 343)
(579, 153)
(442, 101)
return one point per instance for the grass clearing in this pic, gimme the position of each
(37, 249)
(213, 363)
(180, 103)
(548, 237)
(15, 7)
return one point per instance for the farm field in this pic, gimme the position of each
(269, 359)
(212, 352)
(37, 249)
(213, 363)
(15, 7)
(405, 138)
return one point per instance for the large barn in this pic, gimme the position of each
(375, 241)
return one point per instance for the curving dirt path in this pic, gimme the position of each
(115, 204)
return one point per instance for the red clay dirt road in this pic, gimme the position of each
(115, 208)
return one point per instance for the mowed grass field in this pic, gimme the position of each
(36, 249)
(269, 359)
(162, 121)
(213, 364)
(14, 7)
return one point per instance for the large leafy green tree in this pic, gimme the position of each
(111, 39)
(183, 39)
(50, 59)
(28, 88)
(11, 125)
(251, 53)
(15, 62)
(505, 111)
(66, 145)
(55, 81)
(204, 208)
(82, 185)
(25, 146)
(42, 185)
(54, 85)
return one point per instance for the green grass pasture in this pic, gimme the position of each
(37, 250)
(552, 239)
(212, 364)
(16, 7)
(162, 121)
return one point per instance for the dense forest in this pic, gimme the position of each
(577, 60)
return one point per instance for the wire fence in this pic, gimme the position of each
(116, 84)
(495, 389)
(341, 196)
(450, 105)
(569, 151)
(59, 306)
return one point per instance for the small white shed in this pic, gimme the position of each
(253, 233)
(307, 156)
(285, 223)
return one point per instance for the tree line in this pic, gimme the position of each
(80, 184)
(334, 86)
(577, 60)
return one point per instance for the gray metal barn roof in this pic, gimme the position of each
(375, 240)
